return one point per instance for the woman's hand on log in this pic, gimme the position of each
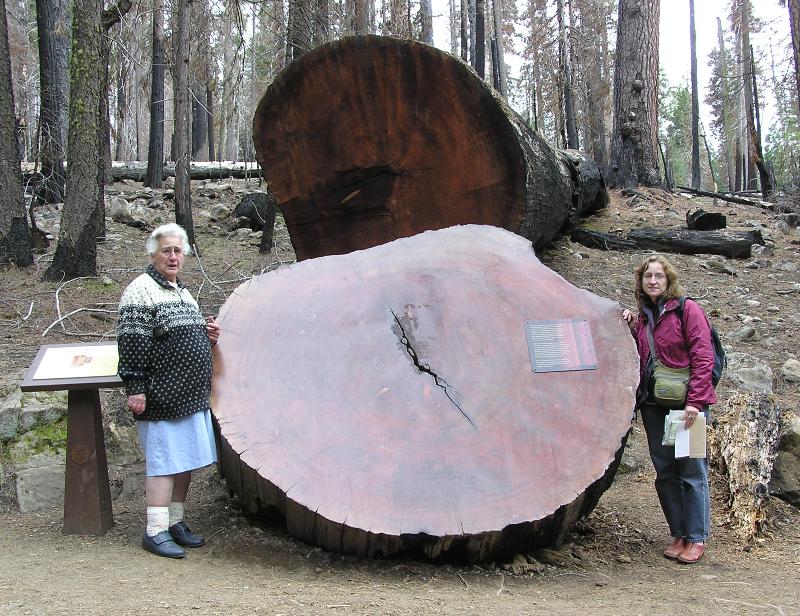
(629, 318)
(691, 414)
(212, 329)
(136, 403)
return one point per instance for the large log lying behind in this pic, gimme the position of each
(368, 139)
(384, 400)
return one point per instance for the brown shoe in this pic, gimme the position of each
(677, 546)
(692, 553)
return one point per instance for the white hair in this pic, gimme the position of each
(168, 230)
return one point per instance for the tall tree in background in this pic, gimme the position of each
(361, 16)
(426, 21)
(634, 148)
(479, 58)
(741, 25)
(231, 77)
(183, 121)
(76, 252)
(696, 181)
(500, 63)
(199, 79)
(593, 56)
(566, 75)
(754, 128)
(52, 25)
(15, 243)
(794, 26)
(155, 147)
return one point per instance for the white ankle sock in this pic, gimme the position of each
(157, 520)
(175, 512)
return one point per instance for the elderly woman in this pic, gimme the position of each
(165, 363)
(681, 339)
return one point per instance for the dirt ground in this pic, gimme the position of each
(610, 564)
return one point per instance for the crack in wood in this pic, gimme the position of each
(438, 381)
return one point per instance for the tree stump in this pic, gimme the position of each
(384, 400)
(368, 139)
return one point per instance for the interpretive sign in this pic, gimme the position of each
(81, 369)
(559, 345)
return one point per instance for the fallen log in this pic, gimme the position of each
(733, 244)
(368, 139)
(700, 220)
(385, 402)
(744, 445)
(135, 171)
(716, 195)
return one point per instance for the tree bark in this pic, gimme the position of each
(500, 67)
(744, 446)
(15, 241)
(794, 26)
(396, 159)
(155, 148)
(52, 21)
(409, 419)
(426, 22)
(696, 180)
(199, 77)
(595, 38)
(479, 59)
(634, 139)
(76, 252)
(183, 123)
(754, 128)
(566, 72)
(726, 104)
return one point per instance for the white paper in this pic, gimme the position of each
(691, 443)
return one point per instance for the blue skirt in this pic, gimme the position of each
(176, 445)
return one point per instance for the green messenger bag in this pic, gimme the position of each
(670, 385)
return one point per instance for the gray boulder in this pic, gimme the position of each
(785, 482)
(21, 412)
(791, 370)
(748, 373)
(40, 482)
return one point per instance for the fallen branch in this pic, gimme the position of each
(69, 314)
(716, 195)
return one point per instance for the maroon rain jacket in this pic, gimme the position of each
(679, 345)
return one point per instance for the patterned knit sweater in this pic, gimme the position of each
(164, 350)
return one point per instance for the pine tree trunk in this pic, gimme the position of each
(566, 71)
(52, 19)
(634, 139)
(15, 242)
(183, 122)
(479, 63)
(696, 180)
(155, 148)
(794, 26)
(76, 252)
(199, 78)
(426, 21)
(726, 106)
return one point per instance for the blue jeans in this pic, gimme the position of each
(682, 484)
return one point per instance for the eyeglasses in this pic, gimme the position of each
(654, 276)
(177, 250)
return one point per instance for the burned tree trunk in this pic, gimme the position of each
(369, 139)
(385, 400)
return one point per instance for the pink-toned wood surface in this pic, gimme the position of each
(325, 414)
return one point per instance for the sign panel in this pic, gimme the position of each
(78, 361)
(560, 345)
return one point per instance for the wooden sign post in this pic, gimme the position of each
(81, 369)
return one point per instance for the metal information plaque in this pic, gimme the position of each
(559, 345)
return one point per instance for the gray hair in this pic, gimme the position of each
(169, 230)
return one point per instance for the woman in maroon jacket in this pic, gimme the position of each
(680, 341)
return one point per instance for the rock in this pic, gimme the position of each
(118, 209)
(40, 484)
(753, 302)
(785, 265)
(743, 334)
(785, 482)
(792, 219)
(20, 412)
(219, 212)
(791, 370)
(762, 251)
(259, 208)
(748, 373)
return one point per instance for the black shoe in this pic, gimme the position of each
(183, 536)
(162, 545)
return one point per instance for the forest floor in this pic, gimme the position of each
(610, 564)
